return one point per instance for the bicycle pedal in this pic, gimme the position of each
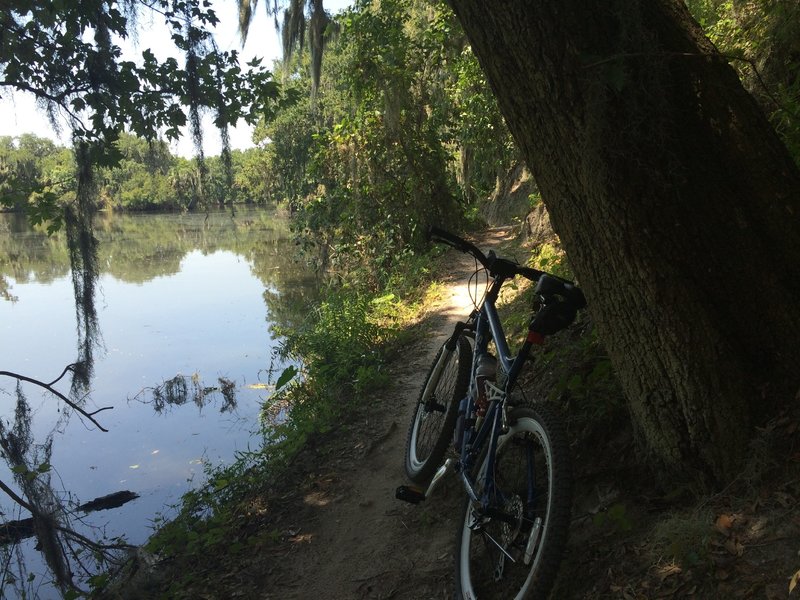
(410, 494)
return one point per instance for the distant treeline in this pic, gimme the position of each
(148, 176)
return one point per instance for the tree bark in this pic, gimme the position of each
(676, 202)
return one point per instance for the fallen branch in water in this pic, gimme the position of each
(15, 531)
(49, 387)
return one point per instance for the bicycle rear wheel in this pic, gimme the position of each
(435, 412)
(519, 557)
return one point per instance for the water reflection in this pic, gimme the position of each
(65, 551)
(4, 293)
(181, 390)
(172, 293)
(140, 248)
(82, 247)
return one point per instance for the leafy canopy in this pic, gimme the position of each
(66, 53)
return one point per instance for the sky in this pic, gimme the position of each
(19, 113)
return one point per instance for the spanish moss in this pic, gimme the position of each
(246, 11)
(194, 48)
(318, 25)
(24, 458)
(294, 28)
(82, 246)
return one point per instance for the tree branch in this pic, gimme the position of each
(55, 392)
(15, 497)
(91, 543)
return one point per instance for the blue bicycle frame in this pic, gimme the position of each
(558, 301)
(513, 456)
(485, 325)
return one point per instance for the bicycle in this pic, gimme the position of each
(512, 455)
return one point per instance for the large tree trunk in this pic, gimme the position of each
(677, 204)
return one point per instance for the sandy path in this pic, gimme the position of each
(347, 536)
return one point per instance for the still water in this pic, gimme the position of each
(188, 296)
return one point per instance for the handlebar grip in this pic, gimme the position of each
(436, 234)
(529, 273)
(440, 235)
(547, 283)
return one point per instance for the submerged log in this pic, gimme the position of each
(12, 532)
(114, 500)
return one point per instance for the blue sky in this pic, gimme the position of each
(20, 114)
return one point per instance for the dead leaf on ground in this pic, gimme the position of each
(669, 571)
(794, 581)
(723, 524)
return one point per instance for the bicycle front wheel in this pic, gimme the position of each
(435, 412)
(518, 556)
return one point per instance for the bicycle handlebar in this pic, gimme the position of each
(492, 263)
(440, 235)
(502, 267)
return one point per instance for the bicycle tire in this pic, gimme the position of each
(435, 412)
(482, 571)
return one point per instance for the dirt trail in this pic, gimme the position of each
(346, 536)
(330, 527)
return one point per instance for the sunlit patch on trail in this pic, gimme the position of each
(317, 499)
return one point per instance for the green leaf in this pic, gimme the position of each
(617, 511)
(99, 581)
(384, 299)
(285, 377)
(575, 383)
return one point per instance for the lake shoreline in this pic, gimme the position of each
(186, 307)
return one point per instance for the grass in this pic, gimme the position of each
(682, 538)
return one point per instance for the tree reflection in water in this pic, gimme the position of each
(70, 556)
(134, 249)
(82, 246)
(182, 389)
